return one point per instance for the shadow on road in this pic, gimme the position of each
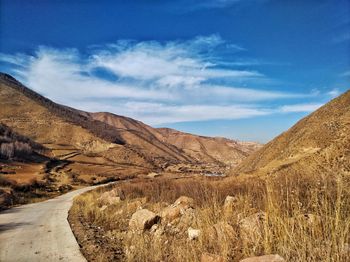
(11, 226)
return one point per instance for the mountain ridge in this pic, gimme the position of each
(319, 140)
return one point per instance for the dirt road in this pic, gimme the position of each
(40, 231)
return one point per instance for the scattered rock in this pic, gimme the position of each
(207, 257)
(228, 204)
(111, 197)
(180, 211)
(103, 208)
(193, 233)
(135, 204)
(251, 228)
(153, 228)
(170, 213)
(153, 175)
(184, 202)
(143, 219)
(266, 258)
(221, 232)
(187, 219)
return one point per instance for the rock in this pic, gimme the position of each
(252, 227)
(135, 204)
(153, 228)
(193, 233)
(112, 197)
(266, 258)
(186, 220)
(153, 175)
(228, 204)
(103, 208)
(183, 206)
(207, 257)
(143, 219)
(229, 200)
(170, 213)
(221, 232)
(184, 202)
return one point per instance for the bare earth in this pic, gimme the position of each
(40, 231)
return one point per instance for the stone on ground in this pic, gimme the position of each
(142, 220)
(252, 227)
(193, 233)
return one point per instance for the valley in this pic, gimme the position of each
(173, 196)
(84, 148)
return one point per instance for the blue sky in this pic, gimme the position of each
(244, 69)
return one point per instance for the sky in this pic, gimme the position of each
(242, 69)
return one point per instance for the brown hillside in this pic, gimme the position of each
(108, 143)
(173, 144)
(209, 149)
(69, 134)
(317, 142)
(143, 137)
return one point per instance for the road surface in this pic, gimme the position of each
(40, 231)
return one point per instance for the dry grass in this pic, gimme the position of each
(286, 230)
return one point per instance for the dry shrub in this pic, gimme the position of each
(307, 218)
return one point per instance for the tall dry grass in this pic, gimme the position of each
(307, 218)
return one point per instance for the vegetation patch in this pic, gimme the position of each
(299, 218)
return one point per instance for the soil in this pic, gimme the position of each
(93, 240)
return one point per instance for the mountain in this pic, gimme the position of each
(93, 148)
(104, 144)
(319, 142)
(143, 137)
(183, 146)
(217, 150)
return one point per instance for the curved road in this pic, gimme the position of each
(40, 231)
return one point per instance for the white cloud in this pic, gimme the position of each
(299, 108)
(154, 82)
(158, 113)
(334, 92)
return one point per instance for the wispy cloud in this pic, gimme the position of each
(299, 108)
(155, 82)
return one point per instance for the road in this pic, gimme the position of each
(40, 231)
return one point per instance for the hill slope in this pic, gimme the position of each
(217, 150)
(145, 138)
(182, 146)
(319, 141)
(67, 133)
(105, 139)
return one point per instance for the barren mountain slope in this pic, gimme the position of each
(319, 141)
(209, 149)
(143, 137)
(69, 134)
(183, 146)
